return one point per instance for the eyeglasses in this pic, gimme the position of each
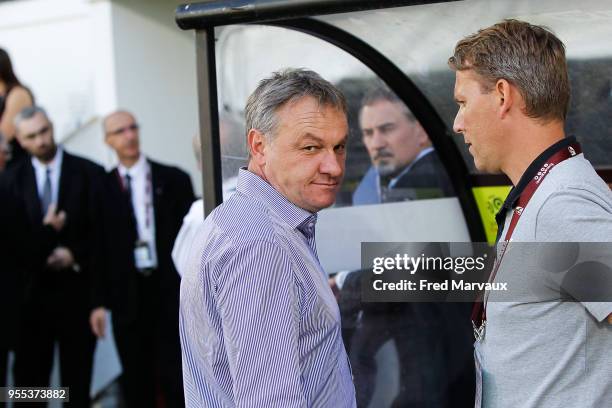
(133, 127)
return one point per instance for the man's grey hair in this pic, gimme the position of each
(381, 92)
(28, 113)
(286, 86)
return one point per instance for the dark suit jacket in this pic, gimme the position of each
(79, 196)
(13, 243)
(427, 178)
(172, 197)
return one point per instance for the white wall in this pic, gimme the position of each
(85, 58)
(156, 79)
(51, 49)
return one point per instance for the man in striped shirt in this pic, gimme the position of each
(259, 324)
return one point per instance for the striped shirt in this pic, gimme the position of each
(259, 324)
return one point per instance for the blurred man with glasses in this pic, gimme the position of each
(144, 208)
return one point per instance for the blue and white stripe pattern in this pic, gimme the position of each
(259, 324)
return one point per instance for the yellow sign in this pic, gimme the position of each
(489, 200)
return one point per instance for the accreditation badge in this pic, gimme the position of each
(143, 257)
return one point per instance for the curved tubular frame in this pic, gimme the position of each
(416, 101)
(398, 81)
(223, 12)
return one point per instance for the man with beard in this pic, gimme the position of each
(57, 194)
(404, 164)
(404, 167)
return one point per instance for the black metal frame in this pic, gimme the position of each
(203, 17)
(209, 119)
(416, 101)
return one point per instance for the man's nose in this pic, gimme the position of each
(332, 164)
(379, 140)
(40, 141)
(458, 123)
(131, 134)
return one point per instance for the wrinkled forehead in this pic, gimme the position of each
(308, 115)
(384, 110)
(310, 104)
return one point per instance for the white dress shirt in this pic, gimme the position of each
(142, 201)
(184, 243)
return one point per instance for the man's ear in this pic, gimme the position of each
(505, 96)
(421, 135)
(256, 142)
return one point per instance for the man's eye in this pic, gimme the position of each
(310, 148)
(340, 148)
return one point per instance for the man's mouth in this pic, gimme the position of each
(382, 156)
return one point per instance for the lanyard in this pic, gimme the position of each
(148, 199)
(148, 196)
(479, 311)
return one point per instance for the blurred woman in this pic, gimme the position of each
(3, 153)
(13, 98)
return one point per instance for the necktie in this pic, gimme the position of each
(128, 186)
(128, 193)
(47, 194)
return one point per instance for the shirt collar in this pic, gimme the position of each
(531, 171)
(54, 165)
(140, 167)
(251, 185)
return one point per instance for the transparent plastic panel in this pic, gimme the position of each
(420, 39)
(248, 54)
(390, 156)
(395, 189)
